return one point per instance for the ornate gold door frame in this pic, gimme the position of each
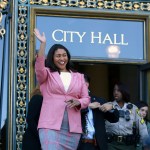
(19, 67)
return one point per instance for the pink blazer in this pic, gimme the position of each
(54, 97)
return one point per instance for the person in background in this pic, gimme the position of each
(93, 122)
(143, 112)
(31, 139)
(125, 133)
(64, 95)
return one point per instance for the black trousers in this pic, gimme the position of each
(87, 146)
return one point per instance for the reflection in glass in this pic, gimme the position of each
(113, 51)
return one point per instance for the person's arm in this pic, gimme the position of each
(40, 69)
(42, 39)
(84, 95)
(112, 116)
(110, 113)
(106, 107)
(84, 99)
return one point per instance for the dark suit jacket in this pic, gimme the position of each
(31, 137)
(99, 122)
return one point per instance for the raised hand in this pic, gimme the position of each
(40, 37)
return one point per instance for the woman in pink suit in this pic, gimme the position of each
(64, 94)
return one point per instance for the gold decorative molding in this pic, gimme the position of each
(99, 4)
(2, 30)
(3, 4)
(22, 70)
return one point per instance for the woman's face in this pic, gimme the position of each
(117, 94)
(143, 111)
(61, 59)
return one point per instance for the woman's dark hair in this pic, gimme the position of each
(50, 58)
(141, 104)
(124, 91)
(87, 78)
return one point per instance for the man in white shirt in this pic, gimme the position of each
(93, 122)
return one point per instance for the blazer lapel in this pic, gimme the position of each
(73, 81)
(57, 78)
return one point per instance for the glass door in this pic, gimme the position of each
(145, 82)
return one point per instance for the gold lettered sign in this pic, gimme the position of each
(93, 36)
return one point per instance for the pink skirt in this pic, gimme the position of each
(59, 140)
